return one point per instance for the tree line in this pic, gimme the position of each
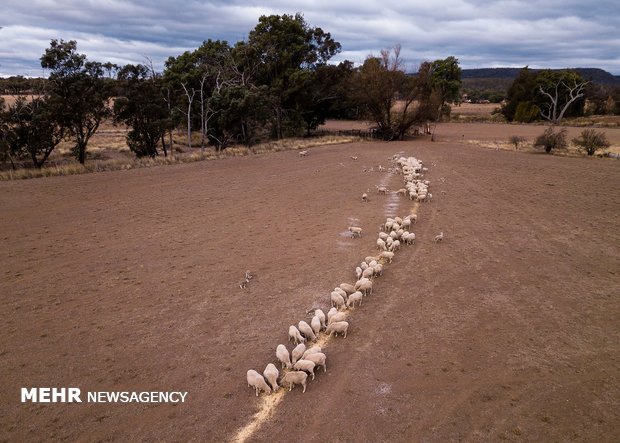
(277, 83)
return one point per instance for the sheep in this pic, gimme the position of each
(382, 190)
(378, 268)
(383, 236)
(339, 316)
(395, 246)
(366, 287)
(337, 299)
(389, 241)
(319, 313)
(360, 282)
(358, 272)
(353, 157)
(306, 330)
(257, 381)
(439, 237)
(348, 288)
(294, 378)
(298, 352)
(283, 356)
(338, 327)
(373, 263)
(319, 359)
(303, 153)
(407, 224)
(398, 220)
(363, 265)
(388, 256)
(365, 197)
(381, 245)
(271, 374)
(312, 350)
(393, 236)
(315, 324)
(331, 313)
(355, 297)
(368, 273)
(355, 231)
(305, 365)
(402, 192)
(408, 237)
(341, 291)
(293, 333)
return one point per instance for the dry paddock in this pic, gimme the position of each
(128, 281)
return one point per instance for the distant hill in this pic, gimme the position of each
(596, 75)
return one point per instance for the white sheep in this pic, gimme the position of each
(369, 259)
(401, 192)
(382, 190)
(363, 265)
(368, 273)
(338, 327)
(366, 287)
(331, 313)
(355, 231)
(319, 313)
(395, 246)
(383, 236)
(271, 374)
(341, 291)
(339, 316)
(303, 153)
(257, 381)
(305, 365)
(378, 268)
(358, 272)
(315, 324)
(337, 299)
(306, 330)
(439, 237)
(312, 350)
(298, 351)
(318, 358)
(294, 378)
(283, 356)
(381, 245)
(355, 297)
(348, 288)
(365, 197)
(388, 256)
(293, 333)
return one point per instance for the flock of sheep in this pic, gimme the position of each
(302, 361)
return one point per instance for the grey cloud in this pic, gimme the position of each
(540, 33)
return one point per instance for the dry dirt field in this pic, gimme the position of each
(128, 281)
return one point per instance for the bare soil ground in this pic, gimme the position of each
(128, 281)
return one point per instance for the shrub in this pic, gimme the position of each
(550, 140)
(591, 141)
(516, 140)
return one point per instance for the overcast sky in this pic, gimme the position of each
(480, 33)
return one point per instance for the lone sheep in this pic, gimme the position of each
(355, 231)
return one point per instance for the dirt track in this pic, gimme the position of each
(129, 281)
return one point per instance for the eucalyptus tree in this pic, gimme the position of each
(77, 92)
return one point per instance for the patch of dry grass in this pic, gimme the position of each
(100, 159)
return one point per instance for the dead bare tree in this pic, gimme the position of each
(190, 100)
(559, 92)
